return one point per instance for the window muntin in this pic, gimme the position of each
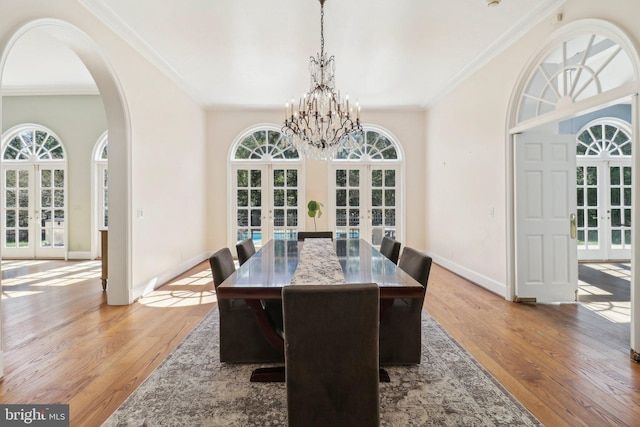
(577, 69)
(375, 146)
(33, 144)
(264, 144)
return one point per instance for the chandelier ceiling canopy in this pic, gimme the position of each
(322, 124)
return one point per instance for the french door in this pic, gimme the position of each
(268, 202)
(34, 211)
(366, 202)
(604, 210)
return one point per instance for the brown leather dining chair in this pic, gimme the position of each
(331, 354)
(401, 326)
(245, 249)
(390, 248)
(241, 339)
(314, 235)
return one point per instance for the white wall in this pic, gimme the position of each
(78, 121)
(224, 126)
(466, 150)
(161, 154)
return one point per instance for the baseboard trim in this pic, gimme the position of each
(144, 288)
(473, 276)
(80, 255)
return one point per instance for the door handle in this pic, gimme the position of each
(572, 224)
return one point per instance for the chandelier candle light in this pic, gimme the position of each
(322, 125)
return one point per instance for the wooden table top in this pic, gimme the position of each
(273, 266)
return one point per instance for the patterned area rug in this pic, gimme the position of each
(192, 388)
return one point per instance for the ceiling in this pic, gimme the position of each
(255, 53)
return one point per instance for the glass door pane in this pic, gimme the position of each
(18, 212)
(620, 211)
(52, 209)
(285, 202)
(383, 204)
(347, 204)
(588, 212)
(249, 204)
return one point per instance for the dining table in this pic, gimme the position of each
(281, 262)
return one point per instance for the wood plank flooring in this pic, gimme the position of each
(63, 344)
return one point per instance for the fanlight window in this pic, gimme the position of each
(604, 140)
(376, 147)
(104, 153)
(578, 69)
(264, 145)
(33, 144)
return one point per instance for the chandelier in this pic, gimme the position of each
(322, 125)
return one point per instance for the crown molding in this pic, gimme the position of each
(108, 17)
(517, 30)
(49, 90)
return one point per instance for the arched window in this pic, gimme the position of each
(34, 184)
(101, 163)
(604, 188)
(577, 68)
(267, 182)
(367, 189)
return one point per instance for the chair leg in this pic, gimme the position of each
(384, 376)
(268, 375)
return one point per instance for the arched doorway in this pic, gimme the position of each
(585, 66)
(119, 133)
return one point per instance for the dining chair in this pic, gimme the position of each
(331, 354)
(314, 235)
(401, 325)
(390, 248)
(245, 249)
(241, 339)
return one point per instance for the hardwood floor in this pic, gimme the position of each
(63, 344)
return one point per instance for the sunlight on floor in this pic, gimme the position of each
(174, 293)
(609, 308)
(614, 311)
(65, 275)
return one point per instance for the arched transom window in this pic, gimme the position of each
(264, 144)
(577, 69)
(33, 144)
(267, 187)
(604, 139)
(375, 146)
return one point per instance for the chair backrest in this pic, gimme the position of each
(331, 354)
(390, 248)
(246, 249)
(222, 266)
(416, 264)
(314, 235)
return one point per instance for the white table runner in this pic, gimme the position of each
(318, 264)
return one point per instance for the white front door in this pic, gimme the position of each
(546, 249)
(34, 212)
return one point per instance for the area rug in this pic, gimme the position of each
(193, 388)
